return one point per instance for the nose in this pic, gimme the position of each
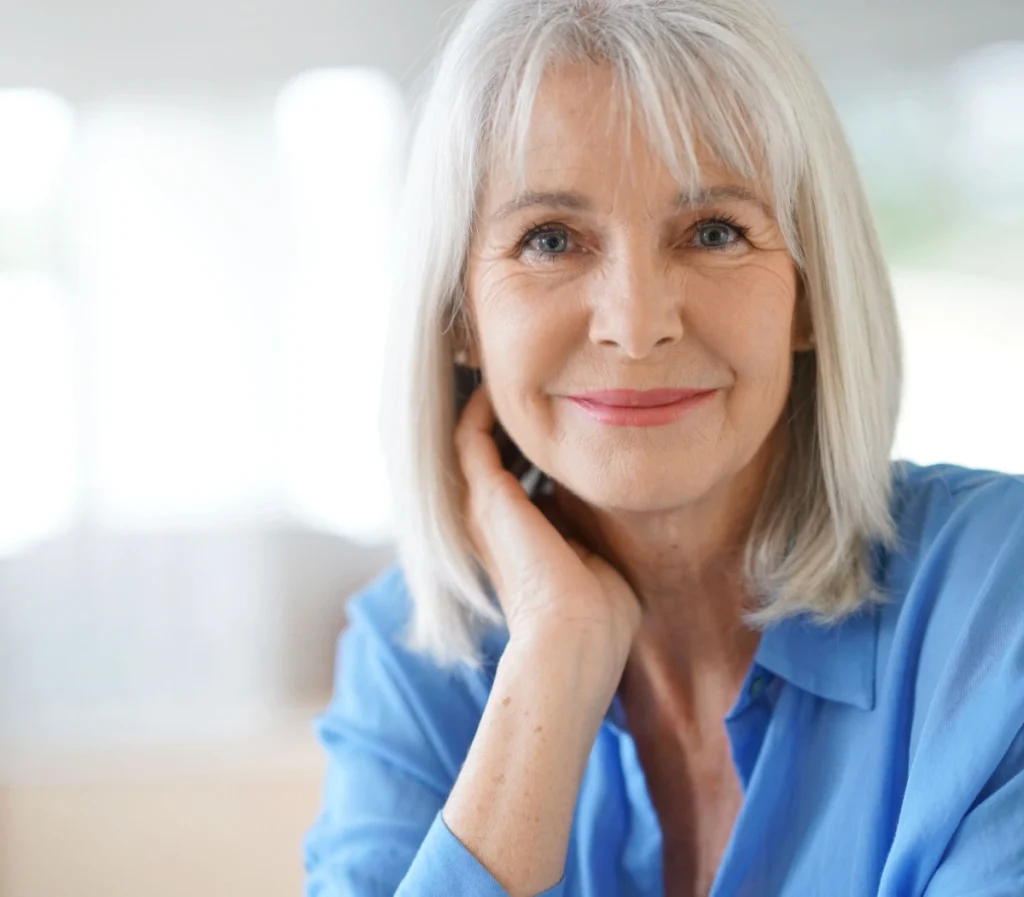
(637, 305)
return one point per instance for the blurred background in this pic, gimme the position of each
(195, 257)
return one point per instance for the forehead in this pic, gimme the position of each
(586, 131)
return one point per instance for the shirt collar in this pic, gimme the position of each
(836, 662)
(833, 661)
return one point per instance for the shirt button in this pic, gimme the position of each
(757, 686)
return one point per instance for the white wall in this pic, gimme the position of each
(85, 48)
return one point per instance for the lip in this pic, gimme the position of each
(634, 408)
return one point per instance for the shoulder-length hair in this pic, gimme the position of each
(725, 72)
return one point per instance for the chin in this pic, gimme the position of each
(649, 492)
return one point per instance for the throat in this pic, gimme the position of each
(676, 712)
(683, 680)
(697, 796)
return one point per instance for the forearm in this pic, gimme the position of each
(512, 805)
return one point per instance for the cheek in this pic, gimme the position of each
(747, 319)
(527, 334)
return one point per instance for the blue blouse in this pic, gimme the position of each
(883, 756)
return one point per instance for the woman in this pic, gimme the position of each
(685, 629)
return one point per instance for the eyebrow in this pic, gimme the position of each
(577, 202)
(574, 202)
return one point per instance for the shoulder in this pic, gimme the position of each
(955, 522)
(383, 610)
(953, 630)
(932, 494)
(959, 551)
(378, 617)
(382, 607)
(395, 695)
(960, 538)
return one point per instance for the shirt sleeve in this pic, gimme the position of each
(395, 732)
(986, 855)
(443, 866)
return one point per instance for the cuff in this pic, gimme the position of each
(443, 866)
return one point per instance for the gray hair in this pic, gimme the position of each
(728, 71)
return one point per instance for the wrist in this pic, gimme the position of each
(585, 672)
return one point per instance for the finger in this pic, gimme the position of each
(478, 454)
(480, 463)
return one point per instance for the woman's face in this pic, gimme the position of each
(609, 279)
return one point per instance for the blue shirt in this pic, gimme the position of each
(883, 756)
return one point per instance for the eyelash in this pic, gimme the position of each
(543, 228)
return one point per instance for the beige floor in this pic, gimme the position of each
(168, 840)
(197, 820)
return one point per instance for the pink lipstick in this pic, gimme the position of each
(635, 408)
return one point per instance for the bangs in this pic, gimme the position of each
(685, 89)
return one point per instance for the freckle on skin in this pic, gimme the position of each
(506, 701)
(538, 729)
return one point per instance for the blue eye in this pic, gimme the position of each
(546, 242)
(718, 233)
(553, 242)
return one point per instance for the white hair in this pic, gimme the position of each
(728, 72)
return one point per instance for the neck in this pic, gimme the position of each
(685, 566)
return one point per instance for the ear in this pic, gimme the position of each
(466, 352)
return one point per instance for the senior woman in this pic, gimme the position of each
(666, 617)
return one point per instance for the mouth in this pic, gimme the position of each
(631, 408)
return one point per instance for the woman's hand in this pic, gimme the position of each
(572, 619)
(552, 589)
